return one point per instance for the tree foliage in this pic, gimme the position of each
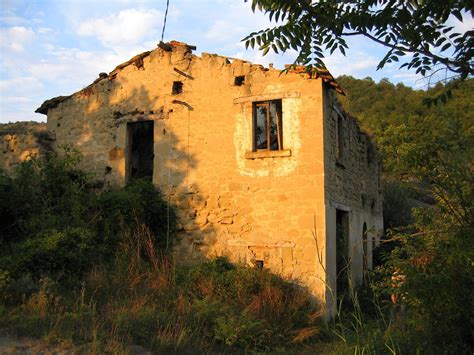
(429, 148)
(428, 157)
(417, 30)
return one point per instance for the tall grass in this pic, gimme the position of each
(144, 298)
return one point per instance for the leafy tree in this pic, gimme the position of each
(428, 161)
(416, 28)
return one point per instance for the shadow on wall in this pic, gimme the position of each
(131, 135)
(111, 127)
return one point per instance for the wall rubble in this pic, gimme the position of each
(22, 140)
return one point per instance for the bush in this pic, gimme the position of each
(57, 223)
(139, 203)
(435, 283)
(397, 205)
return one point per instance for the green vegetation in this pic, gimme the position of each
(420, 34)
(88, 269)
(429, 206)
(56, 224)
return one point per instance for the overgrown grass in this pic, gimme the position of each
(144, 298)
(86, 268)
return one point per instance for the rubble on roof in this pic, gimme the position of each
(168, 46)
(314, 73)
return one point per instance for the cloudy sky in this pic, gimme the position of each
(56, 47)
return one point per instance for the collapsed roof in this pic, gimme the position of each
(311, 72)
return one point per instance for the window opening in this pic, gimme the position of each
(140, 150)
(370, 153)
(239, 80)
(177, 87)
(267, 125)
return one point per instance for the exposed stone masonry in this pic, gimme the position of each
(274, 209)
(22, 140)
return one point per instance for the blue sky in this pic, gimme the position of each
(56, 47)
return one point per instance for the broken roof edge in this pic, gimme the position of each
(313, 73)
(55, 101)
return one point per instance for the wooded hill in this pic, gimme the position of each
(402, 125)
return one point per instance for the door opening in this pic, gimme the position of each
(342, 255)
(140, 150)
(365, 261)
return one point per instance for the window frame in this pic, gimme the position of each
(279, 123)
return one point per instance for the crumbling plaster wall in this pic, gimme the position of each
(279, 208)
(268, 209)
(20, 141)
(352, 185)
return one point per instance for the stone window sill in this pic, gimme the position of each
(261, 154)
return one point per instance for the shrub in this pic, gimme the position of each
(56, 223)
(139, 203)
(435, 269)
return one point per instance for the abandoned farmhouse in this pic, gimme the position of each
(262, 166)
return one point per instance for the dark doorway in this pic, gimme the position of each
(342, 255)
(365, 262)
(140, 150)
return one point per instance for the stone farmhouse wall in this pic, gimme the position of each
(266, 208)
(352, 185)
(20, 141)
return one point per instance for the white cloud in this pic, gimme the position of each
(352, 64)
(17, 98)
(411, 78)
(72, 68)
(12, 20)
(223, 30)
(126, 28)
(44, 30)
(20, 84)
(16, 38)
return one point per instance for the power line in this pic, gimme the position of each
(164, 22)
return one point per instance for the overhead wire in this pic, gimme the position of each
(164, 20)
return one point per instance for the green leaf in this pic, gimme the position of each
(446, 46)
(280, 45)
(457, 14)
